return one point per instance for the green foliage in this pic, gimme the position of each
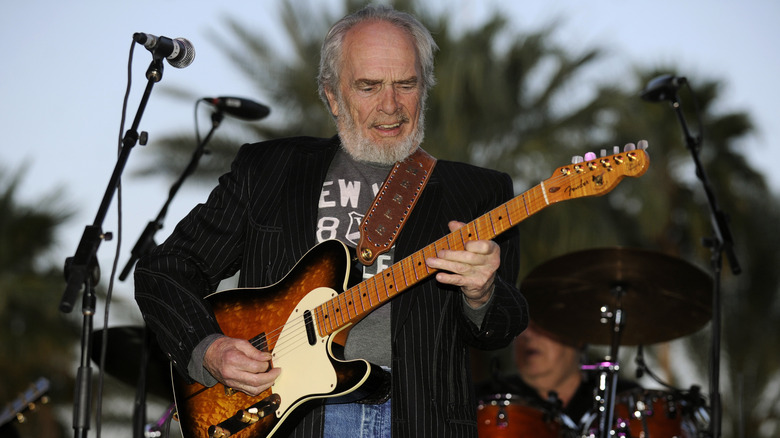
(35, 341)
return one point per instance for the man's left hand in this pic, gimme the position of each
(473, 269)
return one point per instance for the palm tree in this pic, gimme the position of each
(35, 342)
(501, 108)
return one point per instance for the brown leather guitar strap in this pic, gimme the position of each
(391, 207)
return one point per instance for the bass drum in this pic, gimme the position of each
(513, 416)
(643, 413)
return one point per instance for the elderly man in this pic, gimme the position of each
(284, 197)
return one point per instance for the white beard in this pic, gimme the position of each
(362, 149)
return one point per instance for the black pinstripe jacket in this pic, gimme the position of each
(261, 220)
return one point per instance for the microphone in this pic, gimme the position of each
(662, 88)
(179, 52)
(238, 107)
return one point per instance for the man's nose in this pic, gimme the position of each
(388, 102)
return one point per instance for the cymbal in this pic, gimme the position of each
(123, 359)
(661, 297)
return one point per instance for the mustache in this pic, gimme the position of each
(400, 118)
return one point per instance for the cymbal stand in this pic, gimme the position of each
(608, 369)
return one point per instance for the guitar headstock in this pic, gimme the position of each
(595, 177)
(26, 401)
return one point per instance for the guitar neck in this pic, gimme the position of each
(592, 178)
(25, 401)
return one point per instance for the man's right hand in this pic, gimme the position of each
(239, 365)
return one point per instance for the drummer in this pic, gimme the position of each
(548, 370)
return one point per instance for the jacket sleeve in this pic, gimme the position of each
(506, 315)
(204, 248)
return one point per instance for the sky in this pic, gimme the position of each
(63, 74)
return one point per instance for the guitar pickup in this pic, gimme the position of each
(245, 417)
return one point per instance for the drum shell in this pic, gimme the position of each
(652, 414)
(513, 416)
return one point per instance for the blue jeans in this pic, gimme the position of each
(356, 420)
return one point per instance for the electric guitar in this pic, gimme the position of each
(304, 318)
(26, 401)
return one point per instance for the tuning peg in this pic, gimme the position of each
(643, 144)
(576, 159)
(615, 150)
(590, 156)
(629, 147)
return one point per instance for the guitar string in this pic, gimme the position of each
(513, 209)
(301, 338)
(536, 202)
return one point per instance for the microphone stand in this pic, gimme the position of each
(718, 244)
(146, 242)
(82, 270)
(143, 246)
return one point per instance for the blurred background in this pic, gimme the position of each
(522, 86)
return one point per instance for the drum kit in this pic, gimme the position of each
(611, 297)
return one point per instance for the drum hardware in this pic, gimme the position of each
(664, 298)
(126, 348)
(162, 428)
(512, 416)
(133, 357)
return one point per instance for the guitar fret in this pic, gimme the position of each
(320, 321)
(418, 265)
(383, 288)
(508, 216)
(428, 251)
(334, 314)
(525, 205)
(403, 272)
(452, 241)
(345, 307)
(466, 235)
(393, 285)
(441, 244)
(361, 288)
(417, 262)
(368, 292)
(354, 302)
(326, 318)
(339, 310)
(330, 315)
(498, 220)
(398, 279)
(375, 290)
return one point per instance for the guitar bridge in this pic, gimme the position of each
(245, 417)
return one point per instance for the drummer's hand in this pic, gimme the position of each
(239, 365)
(473, 269)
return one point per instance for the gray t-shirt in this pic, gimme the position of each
(347, 193)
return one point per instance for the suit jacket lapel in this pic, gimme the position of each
(305, 177)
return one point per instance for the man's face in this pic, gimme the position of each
(378, 107)
(538, 356)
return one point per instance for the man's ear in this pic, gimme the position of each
(332, 102)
